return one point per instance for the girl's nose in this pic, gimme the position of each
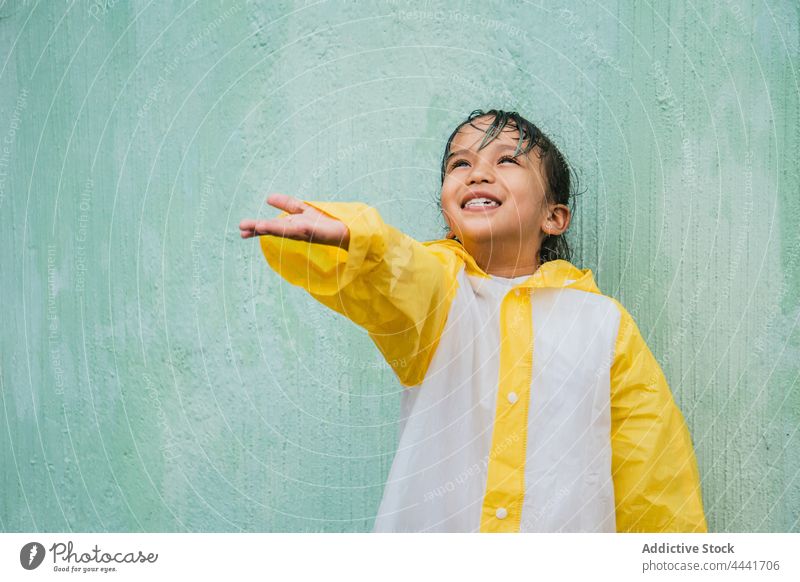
(480, 172)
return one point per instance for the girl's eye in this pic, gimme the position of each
(458, 163)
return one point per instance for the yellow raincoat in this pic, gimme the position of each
(533, 404)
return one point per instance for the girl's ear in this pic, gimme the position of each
(557, 220)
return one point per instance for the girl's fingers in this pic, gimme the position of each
(281, 226)
(247, 228)
(277, 227)
(286, 202)
(267, 226)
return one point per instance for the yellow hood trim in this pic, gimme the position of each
(559, 273)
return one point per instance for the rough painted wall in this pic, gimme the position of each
(156, 376)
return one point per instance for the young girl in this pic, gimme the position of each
(533, 403)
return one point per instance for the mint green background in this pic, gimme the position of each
(157, 376)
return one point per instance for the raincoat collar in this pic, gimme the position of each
(552, 274)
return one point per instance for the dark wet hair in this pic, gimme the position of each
(561, 181)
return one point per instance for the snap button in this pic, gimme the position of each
(516, 292)
(501, 513)
(512, 397)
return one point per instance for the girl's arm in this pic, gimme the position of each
(348, 259)
(656, 481)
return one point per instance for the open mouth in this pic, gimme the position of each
(481, 204)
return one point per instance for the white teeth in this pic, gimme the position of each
(481, 202)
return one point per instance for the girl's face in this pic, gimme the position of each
(491, 198)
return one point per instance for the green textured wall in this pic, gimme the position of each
(156, 376)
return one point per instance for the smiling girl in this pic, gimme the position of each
(532, 402)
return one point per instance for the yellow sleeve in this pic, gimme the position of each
(396, 288)
(656, 481)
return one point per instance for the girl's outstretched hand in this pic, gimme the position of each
(302, 223)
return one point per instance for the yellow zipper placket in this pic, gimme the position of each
(505, 482)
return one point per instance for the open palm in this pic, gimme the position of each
(303, 222)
